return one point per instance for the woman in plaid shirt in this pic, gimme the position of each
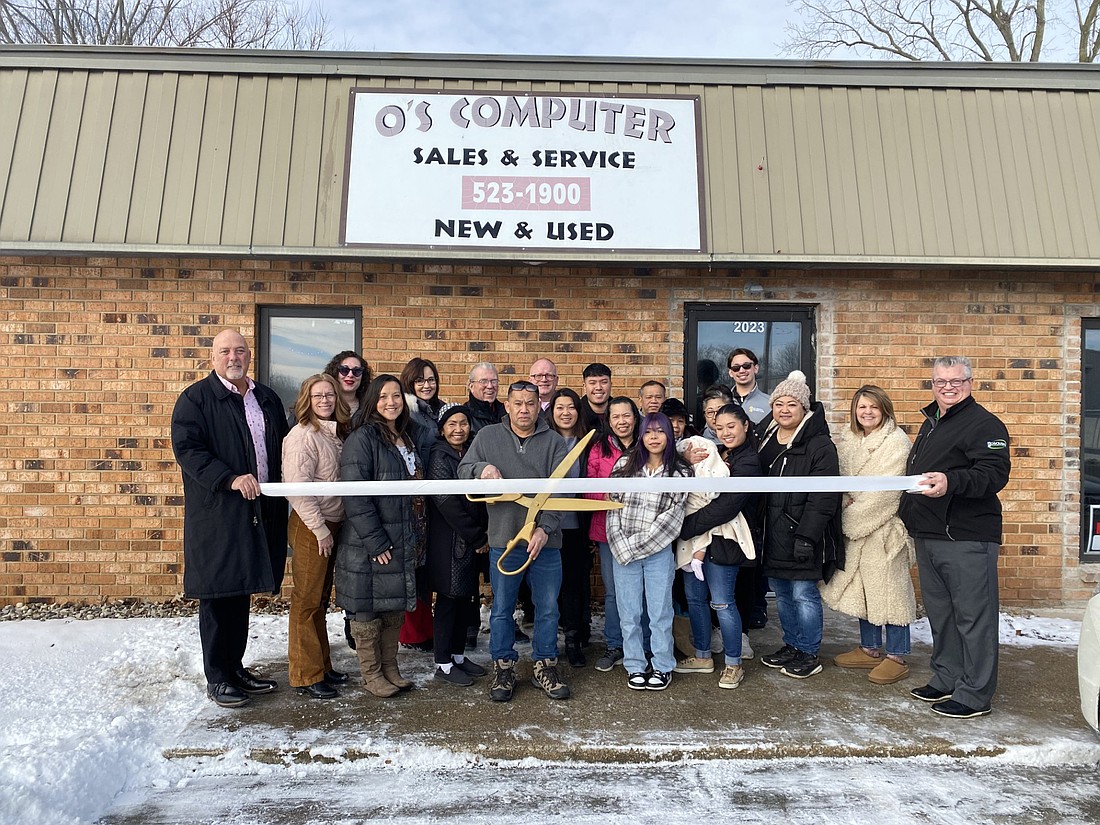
(641, 535)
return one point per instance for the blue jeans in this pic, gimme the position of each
(612, 628)
(715, 591)
(897, 638)
(644, 588)
(799, 606)
(544, 579)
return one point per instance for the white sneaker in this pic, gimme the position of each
(746, 648)
(716, 645)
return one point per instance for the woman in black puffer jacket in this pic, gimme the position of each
(384, 536)
(456, 533)
(801, 530)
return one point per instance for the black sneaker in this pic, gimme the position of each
(456, 676)
(471, 668)
(612, 657)
(546, 678)
(785, 655)
(575, 656)
(658, 680)
(930, 694)
(637, 681)
(504, 680)
(957, 710)
(802, 666)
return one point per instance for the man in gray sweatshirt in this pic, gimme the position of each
(522, 446)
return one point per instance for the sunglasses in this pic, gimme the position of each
(356, 371)
(522, 386)
(748, 365)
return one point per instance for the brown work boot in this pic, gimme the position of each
(368, 643)
(391, 630)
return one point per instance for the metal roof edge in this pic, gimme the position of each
(541, 257)
(536, 68)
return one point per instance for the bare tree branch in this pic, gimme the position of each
(986, 30)
(270, 24)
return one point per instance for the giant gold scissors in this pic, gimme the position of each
(545, 501)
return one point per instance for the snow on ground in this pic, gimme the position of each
(89, 708)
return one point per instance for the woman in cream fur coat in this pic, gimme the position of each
(875, 585)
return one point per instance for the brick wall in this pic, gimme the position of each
(94, 351)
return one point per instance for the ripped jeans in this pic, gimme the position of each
(717, 592)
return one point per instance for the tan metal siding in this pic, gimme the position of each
(85, 183)
(138, 156)
(29, 141)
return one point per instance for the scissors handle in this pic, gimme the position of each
(525, 533)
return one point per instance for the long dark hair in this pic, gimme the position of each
(415, 369)
(604, 433)
(334, 363)
(369, 409)
(638, 456)
(578, 426)
(738, 412)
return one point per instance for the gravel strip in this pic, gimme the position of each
(124, 609)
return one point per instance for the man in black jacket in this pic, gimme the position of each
(485, 409)
(962, 451)
(227, 435)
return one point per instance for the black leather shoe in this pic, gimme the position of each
(319, 690)
(252, 684)
(335, 677)
(226, 695)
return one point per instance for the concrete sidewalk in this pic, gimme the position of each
(835, 714)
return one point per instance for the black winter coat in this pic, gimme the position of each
(456, 528)
(376, 524)
(483, 414)
(813, 517)
(970, 445)
(231, 546)
(743, 461)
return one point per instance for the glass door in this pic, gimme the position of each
(780, 336)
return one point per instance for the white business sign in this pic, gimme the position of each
(503, 171)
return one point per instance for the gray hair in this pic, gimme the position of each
(948, 361)
(481, 365)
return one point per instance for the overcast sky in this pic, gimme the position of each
(641, 28)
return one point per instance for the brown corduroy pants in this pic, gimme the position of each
(308, 649)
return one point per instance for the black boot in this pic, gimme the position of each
(347, 631)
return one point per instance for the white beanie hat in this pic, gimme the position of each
(793, 386)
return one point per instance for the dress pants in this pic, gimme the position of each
(223, 631)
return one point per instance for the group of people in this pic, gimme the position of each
(392, 556)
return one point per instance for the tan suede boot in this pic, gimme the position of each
(391, 630)
(368, 647)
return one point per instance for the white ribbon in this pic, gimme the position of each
(564, 486)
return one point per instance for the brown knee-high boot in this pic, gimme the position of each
(368, 646)
(391, 630)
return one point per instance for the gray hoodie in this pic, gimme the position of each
(536, 457)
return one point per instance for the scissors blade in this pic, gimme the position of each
(560, 471)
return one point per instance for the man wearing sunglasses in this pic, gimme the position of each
(521, 446)
(484, 407)
(743, 367)
(962, 452)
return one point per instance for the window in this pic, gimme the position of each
(296, 342)
(1090, 439)
(781, 337)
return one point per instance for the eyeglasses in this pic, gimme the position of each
(487, 382)
(324, 396)
(543, 376)
(954, 383)
(356, 371)
(420, 382)
(522, 386)
(748, 365)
